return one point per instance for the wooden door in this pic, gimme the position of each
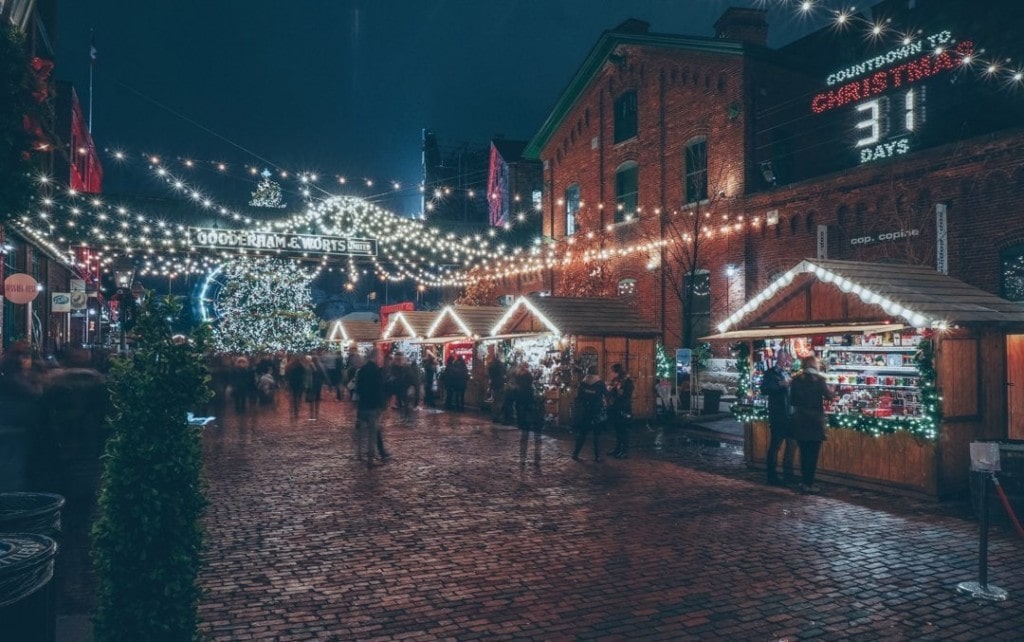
(1015, 385)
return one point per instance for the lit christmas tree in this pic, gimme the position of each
(267, 194)
(663, 363)
(266, 307)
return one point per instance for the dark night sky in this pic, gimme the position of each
(342, 86)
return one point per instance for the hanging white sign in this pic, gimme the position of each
(213, 238)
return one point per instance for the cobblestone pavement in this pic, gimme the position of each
(461, 536)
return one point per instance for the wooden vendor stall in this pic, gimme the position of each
(919, 363)
(560, 336)
(404, 333)
(461, 330)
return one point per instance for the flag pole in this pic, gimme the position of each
(92, 66)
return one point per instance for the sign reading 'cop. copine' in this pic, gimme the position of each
(20, 288)
(280, 242)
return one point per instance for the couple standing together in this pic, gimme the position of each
(596, 403)
(796, 411)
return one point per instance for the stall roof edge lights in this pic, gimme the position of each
(892, 308)
(398, 316)
(446, 312)
(337, 328)
(523, 302)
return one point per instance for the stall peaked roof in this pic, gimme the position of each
(353, 330)
(465, 321)
(579, 316)
(918, 294)
(408, 325)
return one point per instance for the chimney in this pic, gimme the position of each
(747, 25)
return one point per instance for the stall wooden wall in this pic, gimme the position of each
(896, 462)
(638, 355)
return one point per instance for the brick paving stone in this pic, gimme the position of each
(460, 537)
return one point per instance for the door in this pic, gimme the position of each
(1015, 385)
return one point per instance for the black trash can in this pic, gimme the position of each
(1011, 478)
(27, 612)
(30, 513)
(712, 401)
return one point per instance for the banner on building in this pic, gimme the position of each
(212, 238)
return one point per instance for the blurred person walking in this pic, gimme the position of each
(590, 412)
(620, 409)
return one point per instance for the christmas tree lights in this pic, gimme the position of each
(265, 307)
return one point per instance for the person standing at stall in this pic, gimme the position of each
(429, 379)
(522, 380)
(458, 379)
(496, 374)
(590, 412)
(775, 387)
(808, 393)
(620, 392)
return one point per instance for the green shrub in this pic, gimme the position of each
(147, 540)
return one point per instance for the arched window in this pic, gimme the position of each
(572, 207)
(627, 196)
(627, 287)
(625, 116)
(696, 170)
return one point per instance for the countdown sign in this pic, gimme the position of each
(213, 238)
(887, 95)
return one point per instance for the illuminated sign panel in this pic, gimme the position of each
(886, 93)
(281, 242)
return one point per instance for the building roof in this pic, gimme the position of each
(465, 321)
(625, 34)
(918, 294)
(579, 316)
(510, 150)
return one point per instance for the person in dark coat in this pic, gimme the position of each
(243, 384)
(429, 379)
(20, 417)
(808, 393)
(589, 412)
(775, 387)
(370, 403)
(295, 376)
(620, 409)
(496, 375)
(522, 391)
(457, 380)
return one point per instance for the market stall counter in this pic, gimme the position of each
(917, 362)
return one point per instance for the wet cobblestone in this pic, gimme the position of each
(462, 537)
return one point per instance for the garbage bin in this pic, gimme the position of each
(712, 401)
(26, 594)
(1011, 478)
(30, 513)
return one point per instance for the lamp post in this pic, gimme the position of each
(123, 281)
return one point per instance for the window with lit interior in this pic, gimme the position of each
(697, 170)
(627, 288)
(625, 117)
(626, 191)
(1012, 274)
(572, 207)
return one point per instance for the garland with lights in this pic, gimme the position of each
(745, 384)
(265, 308)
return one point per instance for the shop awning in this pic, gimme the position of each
(801, 331)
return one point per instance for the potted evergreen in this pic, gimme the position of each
(147, 538)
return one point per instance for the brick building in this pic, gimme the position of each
(835, 146)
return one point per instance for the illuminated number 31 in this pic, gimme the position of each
(876, 126)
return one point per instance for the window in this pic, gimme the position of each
(625, 116)
(627, 287)
(697, 171)
(1012, 273)
(626, 191)
(696, 294)
(572, 206)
